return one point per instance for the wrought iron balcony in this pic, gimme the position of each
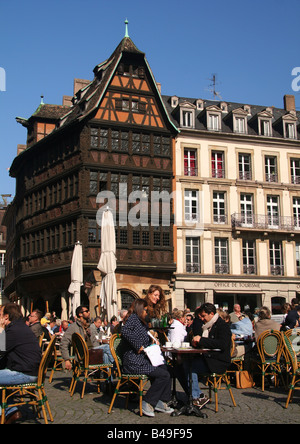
(193, 268)
(264, 222)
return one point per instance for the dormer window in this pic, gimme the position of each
(289, 122)
(174, 101)
(240, 125)
(200, 104)
(240, 121)
(186, 118)
(213, 116)
(224, 107)
(213, 122)
(247, 108)
(290, 130)
(265, 122)
(187, 115)
(265, 127)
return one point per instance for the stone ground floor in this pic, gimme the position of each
(253, 407)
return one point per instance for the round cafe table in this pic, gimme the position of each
(187, 354)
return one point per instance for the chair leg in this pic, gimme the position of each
(73, 383)
(3, 406)
(216, 395)
(141, 397)
(290, 392)
(47, 405)
(84, 383)
(114, 396)
(228, 386)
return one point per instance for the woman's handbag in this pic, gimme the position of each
(244, 380)
(95, 356)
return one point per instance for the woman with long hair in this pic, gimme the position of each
(135, 361)
(156, 302)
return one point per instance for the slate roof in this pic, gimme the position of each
(226, 121)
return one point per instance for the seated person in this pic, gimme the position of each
(35, 322)
(20, 356)
(215, 334)
(243, 328)
(135, 360)
(80, 326)
(265, 322)
(96, 335)
(177, 334)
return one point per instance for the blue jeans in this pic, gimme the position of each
(9, 377)
(198, 367)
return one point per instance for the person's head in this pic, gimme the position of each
(138, 307)
(123, 313)
(237, 308)
(82, 313)
(35, 316)
(264, 313)
(114, 321)
(207, 312)
(179, 316)
(285, 308)
(189, 319)
(97, 322)
(10, 312)
(64, 325)
(224, 315)
(155, 299)
(52, 322)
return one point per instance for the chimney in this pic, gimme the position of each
(289, 102)
(79, 84)
(21, 148)
(67, 101)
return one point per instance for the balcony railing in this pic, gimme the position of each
(265, 222)
(218, 173)
(277, 270)
(222, 268)
(190, 171)
(193, 268)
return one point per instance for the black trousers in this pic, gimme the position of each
(160, 389)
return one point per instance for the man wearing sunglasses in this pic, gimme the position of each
(80, 326)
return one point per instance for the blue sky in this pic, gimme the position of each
(252, 48)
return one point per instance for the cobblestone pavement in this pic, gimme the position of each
(253, 407)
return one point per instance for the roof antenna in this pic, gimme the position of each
(213, 87)
(126, 28)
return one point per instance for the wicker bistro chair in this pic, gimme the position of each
(214, 382)
(58, 362)
(270, 349)
(82, 369)
(292, 367)
(294, 337)
(237, 362)
(32, 393)
(135, 384)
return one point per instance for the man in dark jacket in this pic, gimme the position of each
(20, 353)
(215, 335)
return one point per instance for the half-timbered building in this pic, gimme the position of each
(114, 135)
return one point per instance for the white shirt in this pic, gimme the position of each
(177, 333)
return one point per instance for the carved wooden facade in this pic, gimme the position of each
(117, 132)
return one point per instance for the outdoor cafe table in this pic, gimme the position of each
(187, 354)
